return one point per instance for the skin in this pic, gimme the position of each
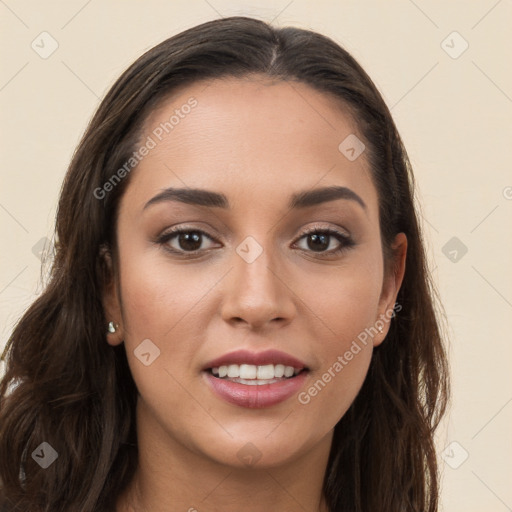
(257, 142)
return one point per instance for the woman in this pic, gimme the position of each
(239, 315)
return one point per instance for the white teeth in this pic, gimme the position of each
(279, 370)
(233, 370)
(250, 372)
(266, 372)
(288, 371)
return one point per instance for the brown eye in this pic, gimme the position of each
(189, 241)
(184, 240)
(319, 241)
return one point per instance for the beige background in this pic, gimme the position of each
(453, 113)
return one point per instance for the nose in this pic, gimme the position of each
(257, 294)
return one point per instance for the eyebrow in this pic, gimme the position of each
(299, 200)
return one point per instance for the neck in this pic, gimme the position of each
(171, 477)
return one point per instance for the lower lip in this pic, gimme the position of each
(258, 396)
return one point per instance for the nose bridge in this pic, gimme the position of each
(253, 263)
(255, 292)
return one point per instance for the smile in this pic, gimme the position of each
(255, 393)
(250, 374)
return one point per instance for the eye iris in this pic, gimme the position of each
(190, 241)
(320, 242)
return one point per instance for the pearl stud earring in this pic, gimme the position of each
(112, 327)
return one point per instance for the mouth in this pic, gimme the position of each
(252, 375)
(255, 380)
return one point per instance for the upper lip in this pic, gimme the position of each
(256, 358)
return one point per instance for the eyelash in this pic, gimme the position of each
(345, 240)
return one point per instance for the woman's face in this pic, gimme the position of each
(245, 275)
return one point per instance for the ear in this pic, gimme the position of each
(393, 277)
(110, 297)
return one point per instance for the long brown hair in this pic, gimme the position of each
(66, 386)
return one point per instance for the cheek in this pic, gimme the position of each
(334, 387)
(345, 300)
(160, 303)
(345, 358)
(345, 308)
(157, 298)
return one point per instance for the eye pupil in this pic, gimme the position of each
(190, 241)
(320, 242)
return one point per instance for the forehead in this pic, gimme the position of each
(249, 134)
